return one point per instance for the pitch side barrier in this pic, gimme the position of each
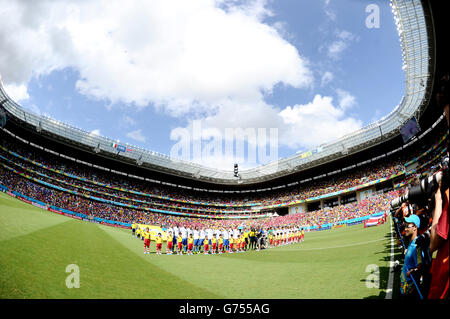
(164, 211)
(62, 211)
(322, 227)
(212, 211)
(345, 223)
(121, 188)
(94, 198)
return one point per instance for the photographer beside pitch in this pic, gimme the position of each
(423, 276)
(413, 259)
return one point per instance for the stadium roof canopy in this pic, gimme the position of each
(417, 44)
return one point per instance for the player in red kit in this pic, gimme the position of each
(206, 245)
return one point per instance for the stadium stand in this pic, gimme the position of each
(59, 168)
(58, 182)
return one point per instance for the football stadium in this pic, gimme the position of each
(363, 216)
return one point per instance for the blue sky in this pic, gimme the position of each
(311, 69)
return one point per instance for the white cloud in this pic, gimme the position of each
(128, 121)
(327, 77)
(210, 59)
(183, 56)
(309, 125)
(95, 132)
(346, 100)
(329, 12)
(137, 135)
(337, 47)
(302, 126)
(346, 36)
(17, 92)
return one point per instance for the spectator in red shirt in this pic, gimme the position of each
(439, 226)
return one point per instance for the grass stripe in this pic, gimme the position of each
(329, 264)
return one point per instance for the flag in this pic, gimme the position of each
(373, 221)
(120, 148)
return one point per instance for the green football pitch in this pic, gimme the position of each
(37, 246)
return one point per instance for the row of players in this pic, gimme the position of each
(217, 244)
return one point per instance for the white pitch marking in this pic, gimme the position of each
(343, 246)
(391, 265)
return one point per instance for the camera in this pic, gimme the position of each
(420, 194)
(423, 240)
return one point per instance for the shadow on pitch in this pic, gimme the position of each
(384, 273)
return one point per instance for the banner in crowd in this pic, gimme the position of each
(348, 222)
(339, 226)
(309, 153)
(61, 211)
(374, 221)
(121, 148)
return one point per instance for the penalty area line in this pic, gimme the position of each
(391, 265)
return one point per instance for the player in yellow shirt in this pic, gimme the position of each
(251, 239)
(138, 232)
(245, 235)
(179, 244)
(220, 244)
(243, 243)
(213, 244)
(206, 245)
(133, 229)
(159, 241)
(146, 236)
(190, 242)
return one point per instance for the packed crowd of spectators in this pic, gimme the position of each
(114, 195)
(181, 199)
(128, 215)
(119, 181)
(353, 179)
(147, 204)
